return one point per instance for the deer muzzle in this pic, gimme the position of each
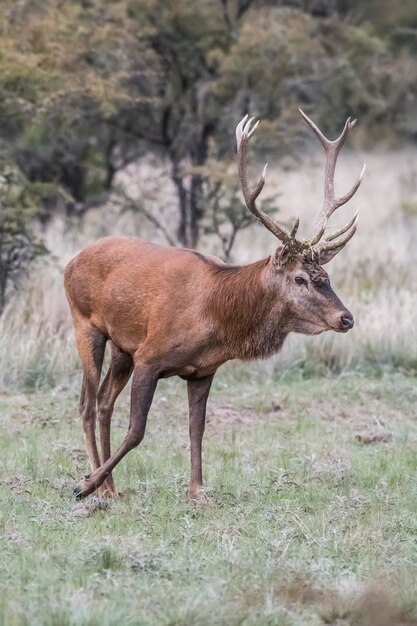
(346, 321)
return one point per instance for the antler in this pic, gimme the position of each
(317, 245)
(244, 132)
(331, 203)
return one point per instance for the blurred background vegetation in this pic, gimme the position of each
(89, 88)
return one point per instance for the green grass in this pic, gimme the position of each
(308, 526)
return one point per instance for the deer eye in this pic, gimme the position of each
(300, 280)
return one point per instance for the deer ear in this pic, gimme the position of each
(280, 257)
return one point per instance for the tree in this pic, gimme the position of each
(88, 86)
(224, 213)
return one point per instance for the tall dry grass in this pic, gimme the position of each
(375, 275)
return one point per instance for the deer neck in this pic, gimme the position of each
(250, 315)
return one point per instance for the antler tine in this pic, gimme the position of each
(323, 140)
(344, 199)
(239, 130)
(332, 149)
(295, 228)
(244, 128)
(244, 132)
(331, 243)
(343, 230)
(338, 202)
(349, 124)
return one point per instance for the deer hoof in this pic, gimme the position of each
(199, 496)
(79, 495)
(106, 492)
(83, 489)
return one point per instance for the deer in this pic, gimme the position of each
(169, 311)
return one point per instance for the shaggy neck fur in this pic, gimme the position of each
(248, 314)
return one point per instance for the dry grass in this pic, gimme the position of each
(374, 275)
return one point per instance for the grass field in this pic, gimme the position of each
(310, 458)
(314, 515)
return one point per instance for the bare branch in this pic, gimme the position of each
(140, 208)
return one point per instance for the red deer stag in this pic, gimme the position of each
(176, 312)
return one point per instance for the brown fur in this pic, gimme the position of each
(242, 306)
(169, 311)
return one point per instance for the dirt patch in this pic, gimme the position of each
(373, 605)
(373, 436)
(303, 592)
(223, 416)
(87, 507)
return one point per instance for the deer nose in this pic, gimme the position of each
(347, 321)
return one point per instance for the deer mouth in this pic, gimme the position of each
(342, 329)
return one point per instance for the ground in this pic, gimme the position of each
(313, 521)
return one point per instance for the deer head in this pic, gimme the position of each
(295, 268)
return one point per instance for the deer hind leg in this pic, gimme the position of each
(91, 344)
(144, 383)
(198, 391)
(119, 372)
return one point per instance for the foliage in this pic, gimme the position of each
(87, 87)
(18, 243)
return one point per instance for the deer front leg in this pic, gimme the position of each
(143, 388)
(198, 391)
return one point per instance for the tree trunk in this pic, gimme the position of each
(183, 205)
(3, 285)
